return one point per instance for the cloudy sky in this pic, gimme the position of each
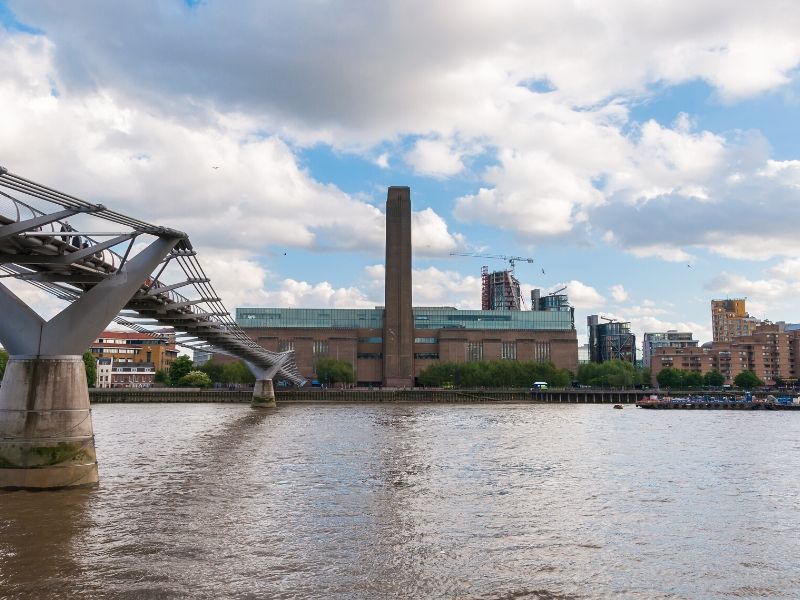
(644, 153)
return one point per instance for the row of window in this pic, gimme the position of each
(287, 345)
(509, 351)
(115, 350)
(473, 350)
(121, 342)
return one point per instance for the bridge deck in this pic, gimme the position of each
(47, 240)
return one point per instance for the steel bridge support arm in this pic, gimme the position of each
(23, 332)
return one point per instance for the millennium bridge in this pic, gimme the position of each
(106, 267)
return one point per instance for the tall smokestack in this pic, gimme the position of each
(398, 319)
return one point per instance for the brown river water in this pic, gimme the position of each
(479, 501)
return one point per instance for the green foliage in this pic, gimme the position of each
(612, 373)
(3, 361)
(161, 377)
(493, 374)
(331, 370)
(213, 370)
(685, 380)
(195, 379)
(236, 372)
(747, 380)
(669, 378)
(643, 377)
(714, 378)
(179, 368)
(692, 379)
(91, 368)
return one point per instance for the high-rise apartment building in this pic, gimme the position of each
(666, 339)
(729, 319)
(555, 302)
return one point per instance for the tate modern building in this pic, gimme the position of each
(390, 345)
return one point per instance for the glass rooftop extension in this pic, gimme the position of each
(424, 318)
(436, 318)
(329, 318)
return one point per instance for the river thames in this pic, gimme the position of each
(481, 501)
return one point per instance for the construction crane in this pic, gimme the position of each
(511, 259)
(558, 292)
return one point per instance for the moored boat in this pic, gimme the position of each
(746, 402)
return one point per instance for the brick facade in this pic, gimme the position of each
(769, 352)
(451, 345)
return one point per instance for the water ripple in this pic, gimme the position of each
(408, 501)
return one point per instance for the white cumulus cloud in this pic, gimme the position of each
(619, 293)
(434, 157)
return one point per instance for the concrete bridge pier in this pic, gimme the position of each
(46, 434)
(263, 390)
(46, 424)
(263, 394)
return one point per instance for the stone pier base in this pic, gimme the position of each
(263, 394)
(46, 435)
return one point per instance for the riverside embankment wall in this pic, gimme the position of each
(583, 396)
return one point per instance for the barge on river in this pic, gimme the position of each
(748, 402)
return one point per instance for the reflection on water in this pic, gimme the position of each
(39, 532)
(433, 501)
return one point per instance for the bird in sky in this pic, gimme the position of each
(543, 272)
(215, 167)
(689, 266)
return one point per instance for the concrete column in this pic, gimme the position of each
(263, 394)
(46, 435)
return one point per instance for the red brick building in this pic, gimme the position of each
(364, 348)
(770, 352)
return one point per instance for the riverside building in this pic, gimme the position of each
(156, 348)
(729, 319)
(770, 351)
(390, 345)
(666, 339)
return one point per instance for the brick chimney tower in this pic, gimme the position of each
(398, 319)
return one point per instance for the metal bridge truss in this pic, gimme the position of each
(66, 258)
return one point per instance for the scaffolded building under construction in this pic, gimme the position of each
(610, 341)
(499, 291)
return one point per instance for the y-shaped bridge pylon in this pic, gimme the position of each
(46, 435)
(45, 419)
